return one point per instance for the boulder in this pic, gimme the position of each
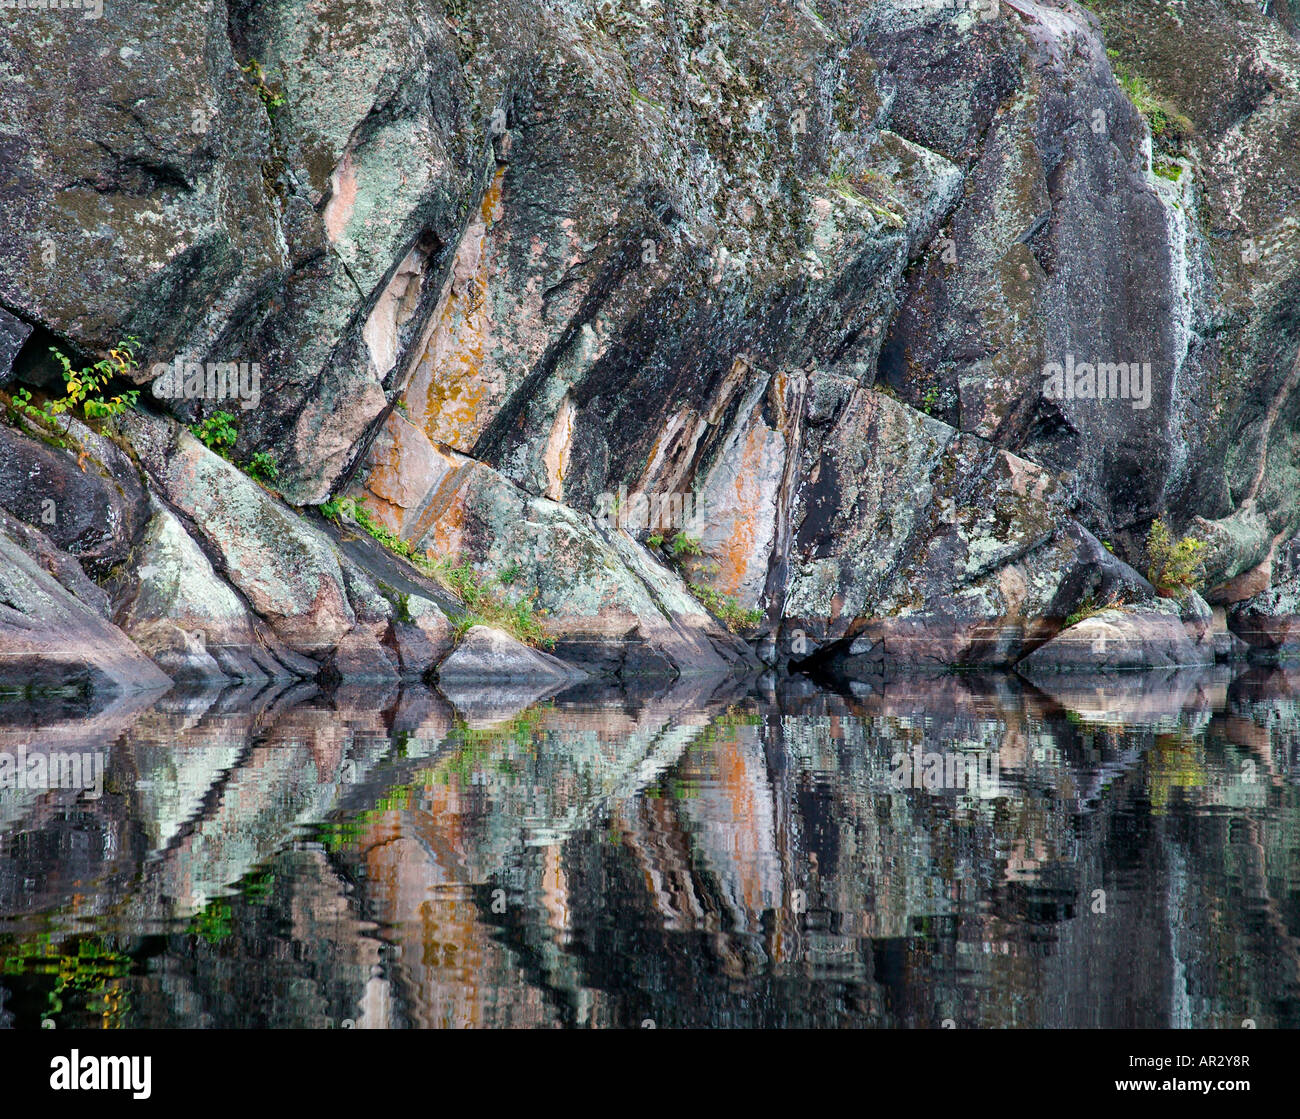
(190, 621)
(609, 605)
(85, 495)
(486, 654)
(50, 639)
(1127, 638)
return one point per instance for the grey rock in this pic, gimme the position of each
(488, 654)
(51, 639)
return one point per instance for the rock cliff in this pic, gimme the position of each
(674, 337)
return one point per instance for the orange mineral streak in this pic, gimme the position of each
(451, 395)
(741, 547)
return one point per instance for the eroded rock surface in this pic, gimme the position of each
(882, 325)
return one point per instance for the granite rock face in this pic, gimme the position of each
(50, 638)
(864, 334)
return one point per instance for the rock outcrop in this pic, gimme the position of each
(876, 334)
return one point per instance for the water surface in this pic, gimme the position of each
(963, 851)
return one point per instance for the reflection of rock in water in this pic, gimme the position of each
(692, 856)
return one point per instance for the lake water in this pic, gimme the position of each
(958, 851)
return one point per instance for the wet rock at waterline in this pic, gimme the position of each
(50, 639)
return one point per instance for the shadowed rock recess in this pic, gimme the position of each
(667, 338)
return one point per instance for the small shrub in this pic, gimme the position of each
(1090, 608)
(1173, 567)
(84, 388)
(262, 466)
(218, 433)
(1169, 127)
(683, 545)
(484, 597)
(486, 603)
(727, 610)
(257, 76)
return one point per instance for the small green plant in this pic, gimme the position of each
(1169, 127)
(257, 76)
(683, 545)
(654, 540)
(84, 388)
(1090, 608)
(217, 433)
(366, 522)
(929, 399)
(262, 466)
(487, 604)
(638, 96)
(727, 610)
(1173, 567)
(484, 597)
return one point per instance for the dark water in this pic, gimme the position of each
(1116, 853)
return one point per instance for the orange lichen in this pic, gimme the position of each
(450, 395)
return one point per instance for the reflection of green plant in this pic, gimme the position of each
(257, 887)
(1173, 567)
(1174, 762)
(469, 750)
(721, 728)
(95, 973)
(214, 922)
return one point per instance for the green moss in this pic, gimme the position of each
(1169, 127)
